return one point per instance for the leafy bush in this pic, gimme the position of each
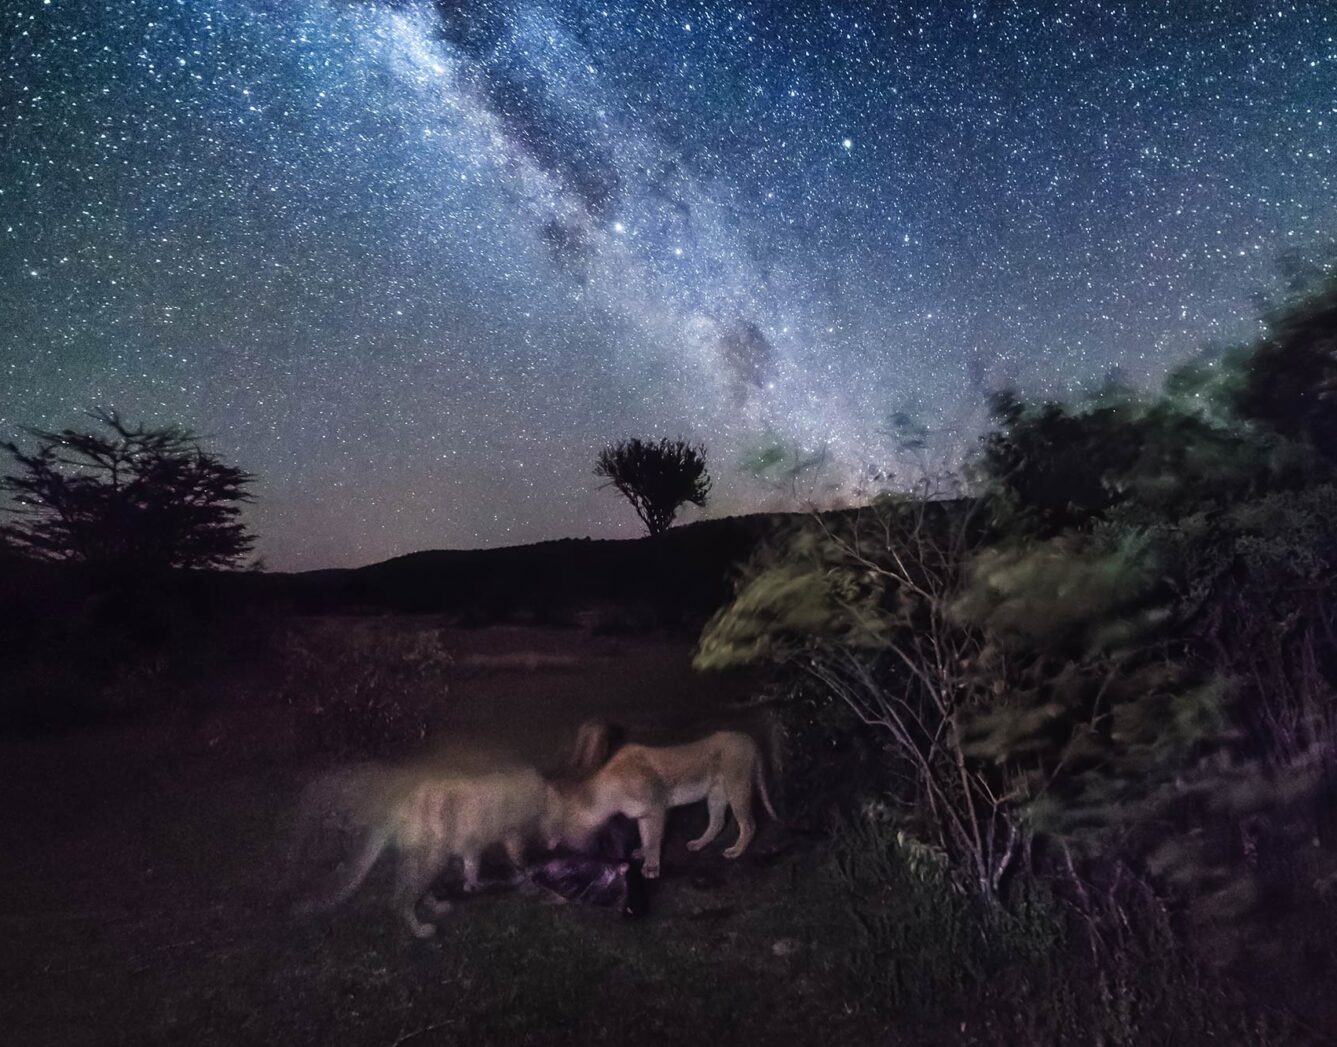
(78, 653)
(1122, 643)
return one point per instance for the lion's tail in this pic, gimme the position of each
(321, 801)
(302, 835)
(377, 840)
(765, 791)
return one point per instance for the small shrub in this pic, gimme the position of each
(1125, 975)
(363, 690)
(827, 758)
(1053, 961)
(919, 939)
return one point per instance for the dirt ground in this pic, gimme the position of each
(141, 898)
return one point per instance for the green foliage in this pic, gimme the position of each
(1100, 709)
(657, 478)
(1124, 643)
(1030, 684)
(1124, 976)
(1132, 646)
(1078, 595)
(1051, 468)
(1047, 465)
(780, 462)
(917, 937)
(797, 591)
(1060, 960)
(1288, 382)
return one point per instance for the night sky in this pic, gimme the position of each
(412, 264)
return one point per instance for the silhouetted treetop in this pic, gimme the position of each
(657, 478)
(127, 498)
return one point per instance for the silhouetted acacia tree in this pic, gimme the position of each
(657, 478)
(127, 499)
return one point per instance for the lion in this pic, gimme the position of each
(435, 819)
(643, 782)
(343, 802)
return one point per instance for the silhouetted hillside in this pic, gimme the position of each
(677, 578)
(685, 572)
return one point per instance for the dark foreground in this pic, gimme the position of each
(142, 893)
(141, 898)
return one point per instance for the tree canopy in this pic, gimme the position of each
(656, 477)
(127, 498)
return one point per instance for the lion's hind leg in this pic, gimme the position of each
(417, 869)
(716, 804)
(740, 801)
(514, 845)
(349, 877)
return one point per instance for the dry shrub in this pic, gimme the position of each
(363, 688)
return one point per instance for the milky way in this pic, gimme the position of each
(413, 263)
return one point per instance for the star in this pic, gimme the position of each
(432, 256)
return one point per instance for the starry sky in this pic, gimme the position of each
(412, 263)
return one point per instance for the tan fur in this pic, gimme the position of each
(439, 817)
(644, 782)
(344, 801)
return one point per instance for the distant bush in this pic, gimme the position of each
(523, 661)
(624, 620)
(76, 653)
(362, 690)
(554, 612)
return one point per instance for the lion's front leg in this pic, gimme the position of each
(417, 869)
(471, 881)
(652, 839)
(515, 853)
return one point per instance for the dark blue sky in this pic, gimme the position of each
(412, 263)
